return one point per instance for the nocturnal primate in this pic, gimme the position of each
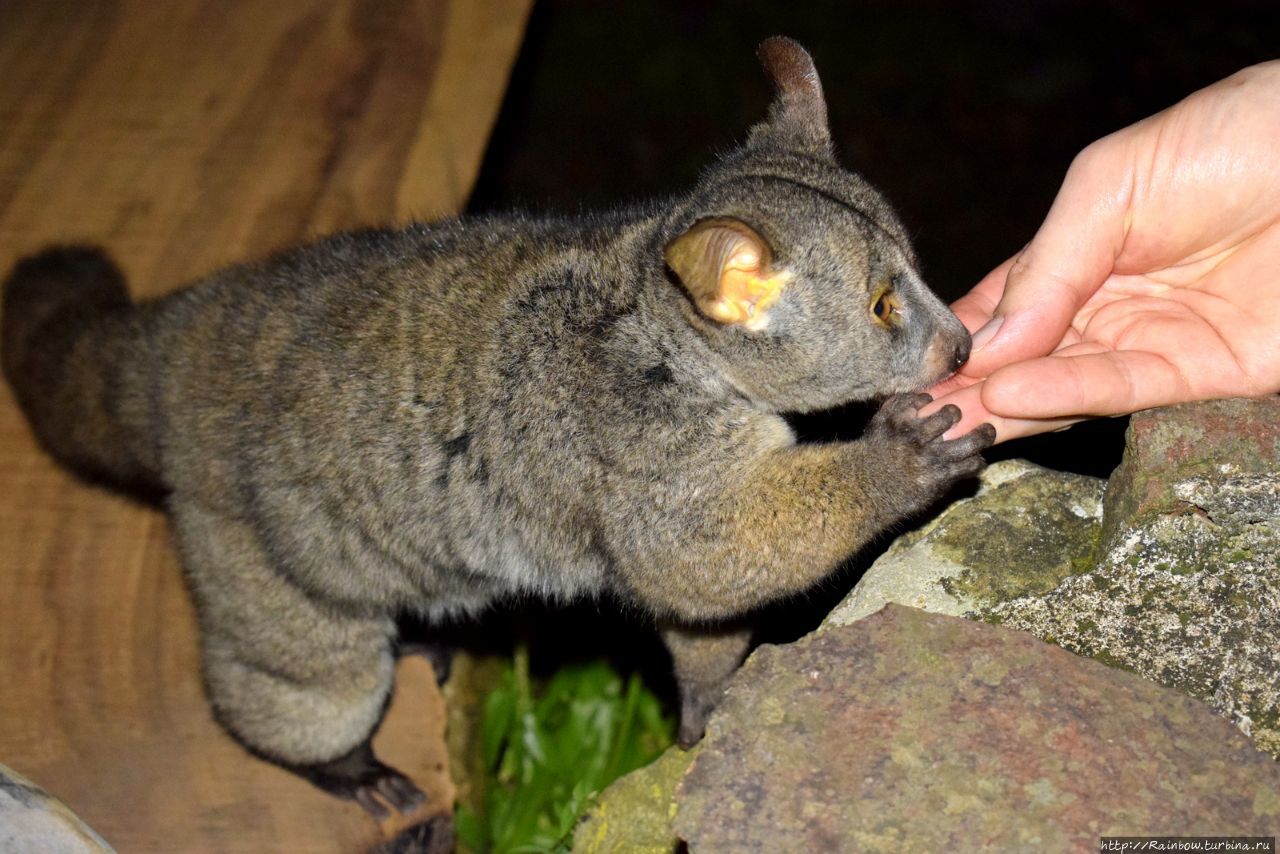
(431, 419)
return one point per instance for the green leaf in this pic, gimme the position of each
(470, 830)
(553, 747)
(495, 726)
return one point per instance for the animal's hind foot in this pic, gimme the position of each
(359, 776)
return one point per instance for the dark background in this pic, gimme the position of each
(966, 115)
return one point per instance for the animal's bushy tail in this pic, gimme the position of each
(73, 348)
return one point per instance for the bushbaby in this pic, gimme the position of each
(430, 419)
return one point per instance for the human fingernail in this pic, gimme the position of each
(983, 336)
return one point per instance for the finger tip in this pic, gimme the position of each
(1006, 393)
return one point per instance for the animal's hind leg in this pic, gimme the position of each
(705, 659)
(300, 682)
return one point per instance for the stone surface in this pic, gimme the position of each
(916, 731)
(636, 813)
(1215, 439)
(33, 820)
(1026, 530)
(1186, 589)
(1174, 574)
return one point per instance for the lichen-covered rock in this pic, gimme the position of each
(1174, 575)
(1212, 440)
(1026, 530)
(915, 731)
(1186, 589)
(33, 820)
(635, 814)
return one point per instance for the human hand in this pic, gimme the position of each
(1155, 278)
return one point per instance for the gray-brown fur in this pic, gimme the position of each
(435, 418)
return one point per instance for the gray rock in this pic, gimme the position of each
(636, 813)
(915, 731)
(33, 820)
(1214, 440)
(1177, 578)
(1026, 530)
(1186, 590)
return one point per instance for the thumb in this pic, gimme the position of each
(1070, 257)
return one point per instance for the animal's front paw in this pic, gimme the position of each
(934, 463)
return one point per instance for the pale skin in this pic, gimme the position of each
(1155, 278)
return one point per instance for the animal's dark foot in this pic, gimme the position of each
(940, 462)
(911, 447)
(694, 714)
(433, 836)
(359, 776)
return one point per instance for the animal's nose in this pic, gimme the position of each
(961, 354)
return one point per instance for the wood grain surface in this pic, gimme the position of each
(183, 135)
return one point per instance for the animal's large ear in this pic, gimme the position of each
(727, 268)
(798, 114)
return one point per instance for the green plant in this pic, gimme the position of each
(550, 751)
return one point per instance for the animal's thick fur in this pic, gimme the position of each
(432, 418)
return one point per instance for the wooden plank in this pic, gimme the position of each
(182, 136)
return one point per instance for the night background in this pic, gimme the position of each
(965, 115)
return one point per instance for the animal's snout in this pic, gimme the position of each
(948, 349)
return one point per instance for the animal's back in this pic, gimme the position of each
(328, 396)
(410, 405)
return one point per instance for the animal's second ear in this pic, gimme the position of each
(798, 114)
(727, 268)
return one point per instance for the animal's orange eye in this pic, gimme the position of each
(885, 307)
